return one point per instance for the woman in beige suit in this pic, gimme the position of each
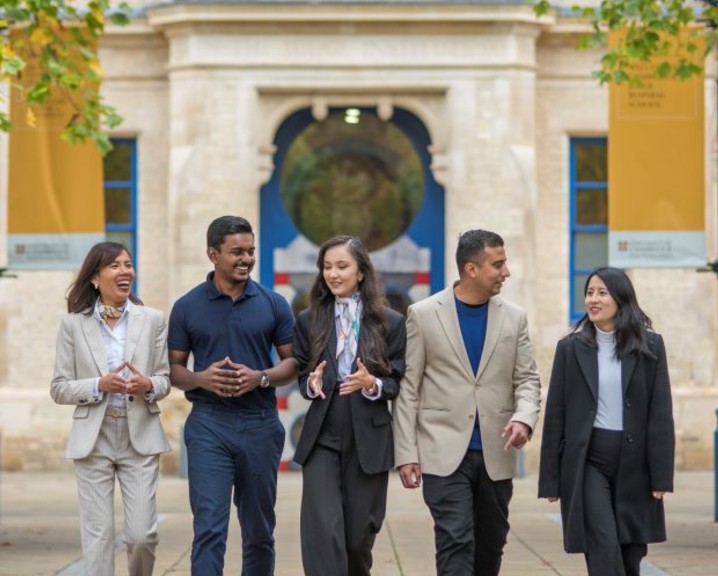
(112, 365)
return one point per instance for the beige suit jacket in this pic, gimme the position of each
(440, 395)
(80, 359)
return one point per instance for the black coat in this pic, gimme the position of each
(371, 419)
(647, 454)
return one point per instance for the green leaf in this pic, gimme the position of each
(610, 59)
(38, 94)
(71, 81)
(102, 141)
(4, 122)
(541, 7)
(12, 66)
(119, 18)
(651, 37)
(111, 118)
(619, 76)
(686, 69)
(663, 70)
(602, 76)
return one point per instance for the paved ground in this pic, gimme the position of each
(39, 532)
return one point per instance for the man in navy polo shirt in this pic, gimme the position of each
(233, 434)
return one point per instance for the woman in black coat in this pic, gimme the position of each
(608, 438)
(350, 348)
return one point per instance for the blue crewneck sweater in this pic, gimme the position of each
(472, 322)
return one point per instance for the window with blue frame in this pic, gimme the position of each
(589, 215)
(120, 183)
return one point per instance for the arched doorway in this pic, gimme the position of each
(353, 173)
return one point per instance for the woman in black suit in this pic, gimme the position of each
(608, 436)
(350, 347)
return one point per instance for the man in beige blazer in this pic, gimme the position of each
(469, 398)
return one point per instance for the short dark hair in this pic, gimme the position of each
(226, 226)
(473, 243)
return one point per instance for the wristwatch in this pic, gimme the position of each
(265, 380)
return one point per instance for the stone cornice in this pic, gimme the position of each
(169, 15)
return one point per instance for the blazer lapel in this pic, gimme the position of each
(135, 322)
(628, 365)
(587, 357)
(449, 322)
(93, 335)
(331, 350)
(493, 329)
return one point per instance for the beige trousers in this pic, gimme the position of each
(114, 457)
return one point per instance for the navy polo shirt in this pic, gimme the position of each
(212, 326)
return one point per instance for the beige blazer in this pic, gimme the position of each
(80, 359)
(440, 395)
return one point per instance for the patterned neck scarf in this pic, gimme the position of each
(107, 311)
(348, 313)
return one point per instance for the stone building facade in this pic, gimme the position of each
(205, 87)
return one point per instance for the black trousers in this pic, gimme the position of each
(605, 555)
(471, 518)
(343, 508)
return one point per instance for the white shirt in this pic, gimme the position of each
(114, 341)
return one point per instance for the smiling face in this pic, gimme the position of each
(234, 260)
(600, 305)
(341, 271)
(114, 281)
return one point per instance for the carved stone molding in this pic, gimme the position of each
(276, 104)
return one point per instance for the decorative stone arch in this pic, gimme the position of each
(278, 104)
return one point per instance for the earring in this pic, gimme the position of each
(95, 284)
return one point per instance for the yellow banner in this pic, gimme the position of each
(56, 200)
(656, 164)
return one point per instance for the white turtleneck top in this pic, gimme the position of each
(610, 393)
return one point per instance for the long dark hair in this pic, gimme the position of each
(372, 336)
(631, 323)
(81, 294)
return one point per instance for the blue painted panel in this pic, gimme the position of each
(574, 228)
(130, 227)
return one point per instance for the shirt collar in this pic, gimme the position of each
(250, 288)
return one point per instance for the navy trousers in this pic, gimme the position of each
(230, 450)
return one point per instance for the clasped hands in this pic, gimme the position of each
(229, 379)
(359, 380)
(125, 379)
